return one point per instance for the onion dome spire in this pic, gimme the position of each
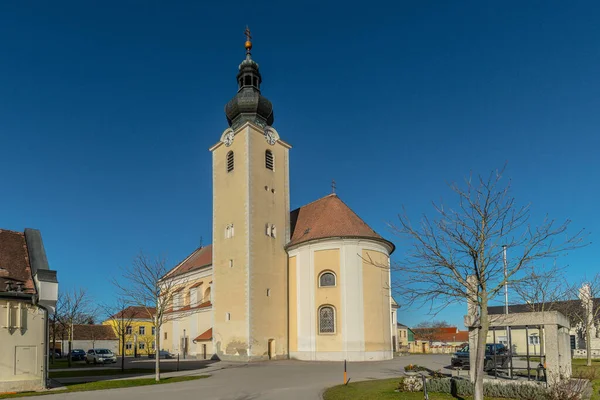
(248, 104)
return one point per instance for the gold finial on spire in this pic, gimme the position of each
(248, 44)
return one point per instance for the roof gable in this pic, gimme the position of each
(325, 218)
(15, 268)
(201, 257)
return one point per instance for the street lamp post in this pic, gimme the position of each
(184, 345)
(135, 345)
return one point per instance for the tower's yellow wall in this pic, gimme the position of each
(328, 260)
(268, 259)
(230, 288)
(376, 297)
(293, 295)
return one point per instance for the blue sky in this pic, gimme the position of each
(107, 111)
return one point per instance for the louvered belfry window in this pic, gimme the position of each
(269, 159)
(230, 161)
(326, 320)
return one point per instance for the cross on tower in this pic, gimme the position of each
(333, 186)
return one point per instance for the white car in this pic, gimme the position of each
(100, 356)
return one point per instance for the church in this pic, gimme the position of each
(307, 284)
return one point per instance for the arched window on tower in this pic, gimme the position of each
(326, 319)
(230, 161)
(269, 161)
(326, 279)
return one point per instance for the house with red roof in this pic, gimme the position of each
(28, 294)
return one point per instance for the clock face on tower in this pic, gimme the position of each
(270, 136)
(228, 139)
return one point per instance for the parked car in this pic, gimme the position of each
(496, 356)
(57, 353)
(162, 354)
(78, 355)
(100, 356)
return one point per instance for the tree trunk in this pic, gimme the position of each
(157, 352)
(70, 344)
(122, 351)
(588, 343)
(480, 355)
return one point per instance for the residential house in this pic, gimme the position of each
(406, 338)
(439, 340)
(28, 294)
(85, 337)
(139, 330)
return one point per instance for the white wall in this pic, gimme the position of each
(22, 346)
(112, 345)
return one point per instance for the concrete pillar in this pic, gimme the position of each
(551, 339)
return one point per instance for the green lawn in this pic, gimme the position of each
(380, 390)
(592, 373)
(100, 372)
(384, 389)
(60, 363)
(103, 385)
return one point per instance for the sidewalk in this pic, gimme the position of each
(141, 375)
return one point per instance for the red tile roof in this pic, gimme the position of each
(188, 307)
(93, 332)
(205, 336)
(446, 334)
(15, 268)
(328, 217)
(201, 257)
(135, 312)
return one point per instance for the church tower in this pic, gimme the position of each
(251, 226)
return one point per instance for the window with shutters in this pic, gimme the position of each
(269, 163)
(326, 279)
(326, 319)
(230, 161)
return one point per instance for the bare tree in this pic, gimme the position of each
(458, 255)
(585, 312)
(429, 330)
(543, 290)
(143, 286)
(77, 308)
(120, 316)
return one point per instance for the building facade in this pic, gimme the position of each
(309, 284)
(133, 326)
(28, 294)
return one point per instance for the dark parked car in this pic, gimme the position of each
(162, 354)
(493, 352)
(78, 355)
(57, 353)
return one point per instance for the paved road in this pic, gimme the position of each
(274, 380)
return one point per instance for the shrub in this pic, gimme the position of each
(463, 387)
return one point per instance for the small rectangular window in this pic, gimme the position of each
(128, 330)
(227, 316)
(142, 346)
(142, 330)
(165, 335)
(268, 292)
(128, 346)
(230, 263)
(153, 331)
(268, 229)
